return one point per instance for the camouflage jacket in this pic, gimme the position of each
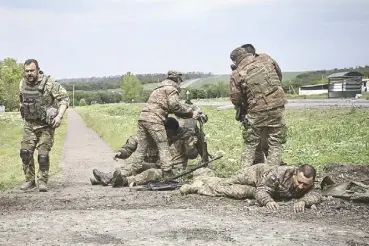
(255, 83)
(183, 147)
(276, 182)
(51, 92)
(164, 100)
(265, 58)
(130, 146)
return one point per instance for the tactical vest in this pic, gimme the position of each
(33, 105)
(261, 84)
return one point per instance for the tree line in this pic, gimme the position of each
(114, 82)
(129, 87)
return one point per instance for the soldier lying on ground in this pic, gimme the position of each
(263, 183)
(182, 147)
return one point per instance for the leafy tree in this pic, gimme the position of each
(11, 73)
(82, 102)
(131, 88)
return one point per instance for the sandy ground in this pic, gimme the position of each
(73, 212)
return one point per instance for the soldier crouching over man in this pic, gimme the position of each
(182, 143)
(262, 182)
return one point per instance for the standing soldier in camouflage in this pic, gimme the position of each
(262, 182)
(261, 151)
(43, 103)
(163, 100)
(256, 86)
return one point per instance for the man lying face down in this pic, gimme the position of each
(264, 183)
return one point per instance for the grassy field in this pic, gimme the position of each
(11, 126)
(222, 78)
(315, 136)
(289, 96)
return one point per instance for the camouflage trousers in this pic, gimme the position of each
(152, 174)
(42, 139)
(150, 134)
(241, 185)
(267, 124)
(130, 169)
(261, 149)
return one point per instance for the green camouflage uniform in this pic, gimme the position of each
(150, 160)
(262, 182)
(39, 104)
(163, 100)
(255, 85)
(181, 148)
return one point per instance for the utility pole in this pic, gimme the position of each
(73, 96)
(187, 94)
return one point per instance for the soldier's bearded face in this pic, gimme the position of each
(31, 72)
(301, 182)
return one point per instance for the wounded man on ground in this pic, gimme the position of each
(264, 183)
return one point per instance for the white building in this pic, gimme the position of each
(313, 89)
(2, 108)
(344, 84)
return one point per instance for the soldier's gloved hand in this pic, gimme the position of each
(273, 206)
(196, 113)
(299, 207)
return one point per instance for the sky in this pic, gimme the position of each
(85, 38)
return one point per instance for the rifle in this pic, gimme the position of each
(241, 116)
(171, 184)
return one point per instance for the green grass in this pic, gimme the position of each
(315, 136)
(289, 96)
(224, 78)
(11, 126)
(150, 86)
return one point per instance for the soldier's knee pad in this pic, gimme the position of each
(25, 155)
(43, 161)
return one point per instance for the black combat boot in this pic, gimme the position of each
(104, 178)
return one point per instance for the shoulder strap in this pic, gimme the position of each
(42, 85)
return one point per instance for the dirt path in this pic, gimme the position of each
(74, 212)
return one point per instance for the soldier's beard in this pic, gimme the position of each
(31, 78)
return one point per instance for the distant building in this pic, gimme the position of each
(340, 85)
(313, 89)
(364, 85)
(2, 108)
(345, 84)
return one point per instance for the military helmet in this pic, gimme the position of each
(249, 48)
(174, 74)
(237, 53)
